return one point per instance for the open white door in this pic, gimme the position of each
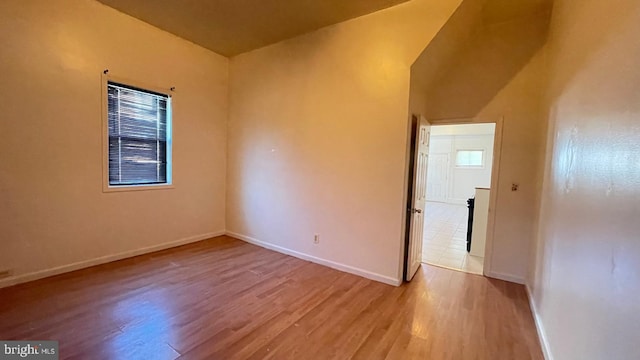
(419, 157)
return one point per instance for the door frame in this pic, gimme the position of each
(493, 197)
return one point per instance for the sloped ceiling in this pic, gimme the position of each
(476, 54)
(497, 11)
(466, 23)
(231, 27)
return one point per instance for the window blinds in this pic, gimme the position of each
(137, 135)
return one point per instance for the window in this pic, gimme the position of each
(470, 158)
(139, 126)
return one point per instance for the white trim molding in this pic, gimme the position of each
(332, 264)
(542, 335)
(22, 278)
(505, 277)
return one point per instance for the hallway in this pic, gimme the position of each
(444, 243)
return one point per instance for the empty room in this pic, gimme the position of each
(280, 179)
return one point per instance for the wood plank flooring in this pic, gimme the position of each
(226, 299)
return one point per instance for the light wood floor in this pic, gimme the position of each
(225, 299)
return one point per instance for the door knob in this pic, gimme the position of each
(416, 211)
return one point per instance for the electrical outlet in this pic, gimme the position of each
(5, 273)
(316, 239)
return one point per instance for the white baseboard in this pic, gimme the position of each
(542, 335)
(505, 277)
(103, 259)
(317, 260)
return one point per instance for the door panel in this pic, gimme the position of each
(418, 193)
(437, 181)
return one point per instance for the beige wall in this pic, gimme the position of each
(317, 138)
(586, 278)
(53, 212)
(497, 75)
(521, 159)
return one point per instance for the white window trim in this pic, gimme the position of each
(470, 167)
(105, 137)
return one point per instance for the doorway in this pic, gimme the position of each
(458, 189)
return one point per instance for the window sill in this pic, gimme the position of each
(108, 189)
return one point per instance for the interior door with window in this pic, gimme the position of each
(417, 191)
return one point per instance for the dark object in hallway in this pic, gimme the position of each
(470, 205)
